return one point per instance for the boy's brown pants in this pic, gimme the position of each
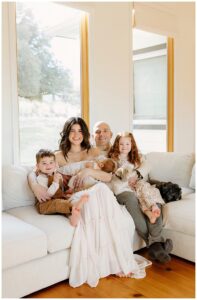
(53, 206)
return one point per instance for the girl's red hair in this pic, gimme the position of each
(134, 156)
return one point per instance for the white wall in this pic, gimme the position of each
(185, 79)
(110, 63)
(111, 66)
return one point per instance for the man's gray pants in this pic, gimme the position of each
(150, 233)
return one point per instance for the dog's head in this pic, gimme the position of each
(170, 191)
(125, 172)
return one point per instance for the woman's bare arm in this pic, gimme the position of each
(96, 174)
(100, 175)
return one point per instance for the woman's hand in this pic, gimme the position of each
(41, 193)
(80, 177)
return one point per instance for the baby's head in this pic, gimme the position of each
(45, 161)
(108, 165)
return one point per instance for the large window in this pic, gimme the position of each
(48, 58)
(150, 91)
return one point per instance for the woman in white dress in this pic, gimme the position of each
(102, 242)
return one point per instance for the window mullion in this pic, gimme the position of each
(13, 81)
(84, 68)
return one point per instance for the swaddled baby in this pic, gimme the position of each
(106, 164)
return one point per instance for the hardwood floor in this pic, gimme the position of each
(175, 279)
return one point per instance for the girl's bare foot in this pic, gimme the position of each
(76, 210)
(156, 211)
(153, 219)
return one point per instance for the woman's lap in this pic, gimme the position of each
(102, 242)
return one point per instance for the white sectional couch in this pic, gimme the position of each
(35, 248)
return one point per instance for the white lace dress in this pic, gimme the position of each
(103, 239)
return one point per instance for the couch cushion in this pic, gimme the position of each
(193, 177)
(57, 228)
(15, 188)
(21, 242)
(171, 166)
(180, 215)
(145, 168)
(186, 191)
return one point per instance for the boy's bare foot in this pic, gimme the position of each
(74, 218)
(76, 210)
(84, 198)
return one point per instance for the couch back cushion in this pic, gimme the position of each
(192, 183)
(15, 189)
(171, 166)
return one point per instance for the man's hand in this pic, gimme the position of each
(41, 193)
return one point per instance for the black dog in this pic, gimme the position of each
(169, 191)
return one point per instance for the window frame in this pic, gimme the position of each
(13, 81)
(170, 94)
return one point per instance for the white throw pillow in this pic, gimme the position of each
(171, 166)
(193, 177)
(15, 189)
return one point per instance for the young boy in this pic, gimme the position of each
(57, 190)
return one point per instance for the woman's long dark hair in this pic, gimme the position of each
(64, 144)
